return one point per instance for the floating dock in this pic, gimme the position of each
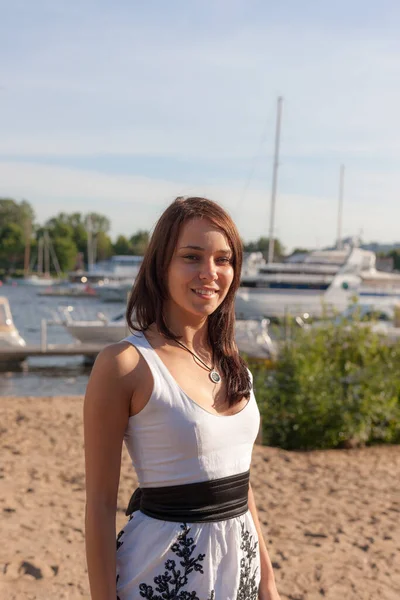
(19, 354)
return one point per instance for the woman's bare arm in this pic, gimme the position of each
(267, 589)
(106, 413)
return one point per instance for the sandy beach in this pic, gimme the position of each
(331, 518)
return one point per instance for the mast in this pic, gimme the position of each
(46, 254)
(274, 181)
(40, 256)
(54, 257)
(340, 209)
(27, 254)
(89, 242)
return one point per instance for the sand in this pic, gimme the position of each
(331, 519)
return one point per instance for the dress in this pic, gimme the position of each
(174, 441)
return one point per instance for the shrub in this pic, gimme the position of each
(333, 386)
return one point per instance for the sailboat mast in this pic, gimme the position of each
(340, 210)
(274, 181)
(40, 256)
(27, 254)
(46, 254)
(89, 243)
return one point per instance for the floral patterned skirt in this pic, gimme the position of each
(162, 560)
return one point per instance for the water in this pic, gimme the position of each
(48, 376)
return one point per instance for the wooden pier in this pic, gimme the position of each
(19, 354)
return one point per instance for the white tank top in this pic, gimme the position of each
(173, 440)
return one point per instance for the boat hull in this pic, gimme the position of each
(259, 302)
(97, 332)
(252, 336)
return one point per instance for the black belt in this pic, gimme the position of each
(201, 502)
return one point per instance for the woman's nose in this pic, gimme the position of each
(208, 271)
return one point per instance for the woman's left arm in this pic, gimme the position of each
(267, 589)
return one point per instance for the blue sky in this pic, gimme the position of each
(119, 107)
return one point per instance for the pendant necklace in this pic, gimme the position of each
(213, 374)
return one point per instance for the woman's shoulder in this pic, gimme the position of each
(118, 359)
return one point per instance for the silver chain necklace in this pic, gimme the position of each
(213, 374)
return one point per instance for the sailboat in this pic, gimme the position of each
(41, 277)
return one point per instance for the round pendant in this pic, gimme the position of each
(215, 377)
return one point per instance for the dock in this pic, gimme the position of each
(19, 354)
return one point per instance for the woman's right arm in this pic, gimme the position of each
(106, 413)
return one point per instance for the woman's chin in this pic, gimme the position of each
(203, 311)
(199, 309)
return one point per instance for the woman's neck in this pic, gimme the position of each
(192, 331)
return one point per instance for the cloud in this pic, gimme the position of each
(198, 85)
(136, 202)
(119, 82)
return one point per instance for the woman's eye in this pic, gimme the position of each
(221, 260)
(224, 259)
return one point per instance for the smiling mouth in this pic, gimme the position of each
(202, 293)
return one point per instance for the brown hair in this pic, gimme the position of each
(150, 289)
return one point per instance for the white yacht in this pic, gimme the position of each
(379, 287)
(309, 283)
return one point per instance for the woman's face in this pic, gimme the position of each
(201, 271)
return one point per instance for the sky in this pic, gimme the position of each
(119, 107)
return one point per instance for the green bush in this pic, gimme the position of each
(333, 386)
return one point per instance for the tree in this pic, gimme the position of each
(66, 252)
(12, 246)
(77, 228)
(12, 212)
(76, 220)
(122, 245)
(16, 222)
(299, 251)
(74, 228)
(57, 228)
(139, 242)
(395, 254)
(262, 245)
(97, 222)
(104, 247)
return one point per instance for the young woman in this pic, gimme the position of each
(180, 396)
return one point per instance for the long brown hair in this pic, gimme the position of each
(150, 289)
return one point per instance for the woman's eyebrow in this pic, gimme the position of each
(192, 248)
(226, 250)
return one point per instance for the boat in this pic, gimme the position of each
(68, 289)
(102, 330)
(309, 283)
(252, 336)
(80, 284)
(313, 283)
(117, 284)
(42, 276)
(113, 291)
(379, 286)
(110, 281)
(9, 334)
(33, 280)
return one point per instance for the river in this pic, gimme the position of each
(48, 376)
